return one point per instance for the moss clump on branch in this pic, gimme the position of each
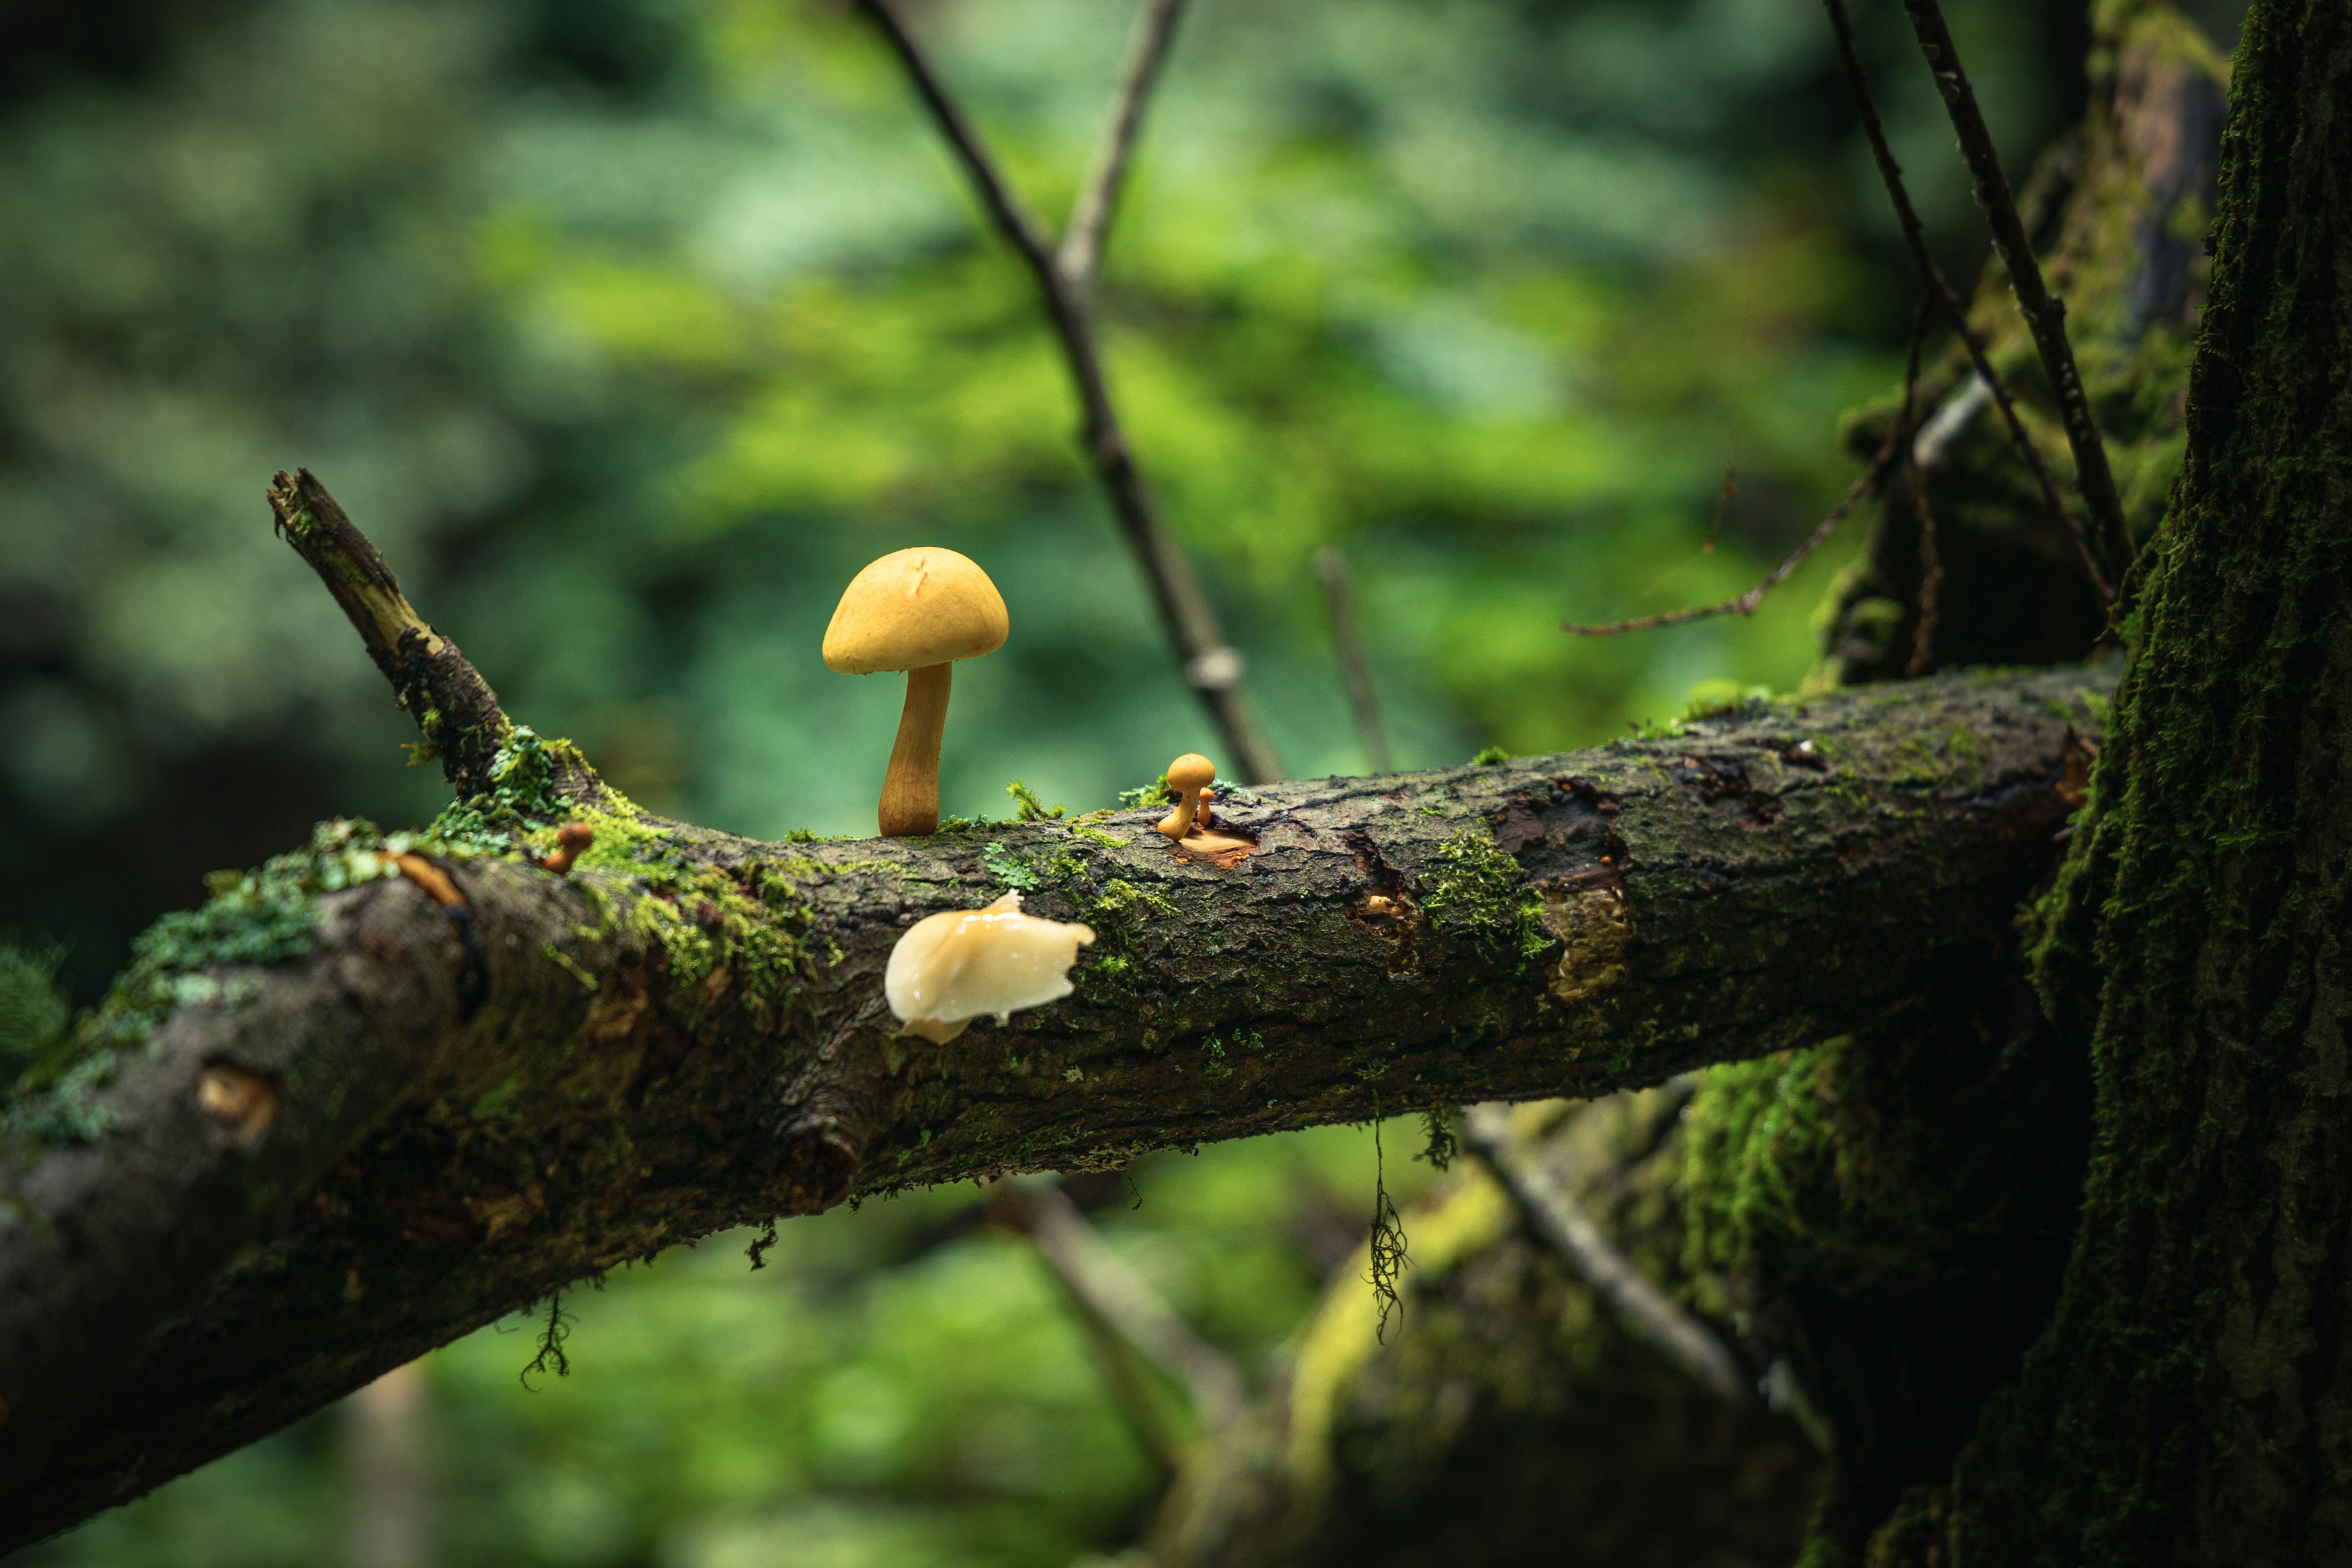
(263, 916)
(1481, 893)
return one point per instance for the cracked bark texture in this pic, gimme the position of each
(687, 1033)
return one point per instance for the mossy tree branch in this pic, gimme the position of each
(468, 1110)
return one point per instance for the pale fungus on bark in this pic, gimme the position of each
(952, 968)
(1189, 776)
(918, 611)
(243, 1103)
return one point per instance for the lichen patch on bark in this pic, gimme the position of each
(1594, 932)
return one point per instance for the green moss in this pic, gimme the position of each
(1479, 892)
(1757, 1148)
(1121, 899)
(1717, 699)
(1156, 793)
(522, 796)
(1027, 807)
(1009, 869)
(1490, 756)
(263, 916)
(33, 1012)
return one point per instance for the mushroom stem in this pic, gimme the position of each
(910, 789)
(1179, 822)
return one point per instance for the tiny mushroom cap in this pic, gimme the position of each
(912, 609)
(916, 610)
(951, 968)
(1188, 776)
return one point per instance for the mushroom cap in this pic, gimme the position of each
(913, 608)
(965, 962)
(1191, 772)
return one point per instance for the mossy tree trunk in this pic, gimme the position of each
(2191, 1400)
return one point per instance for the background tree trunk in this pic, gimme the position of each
(2189, 1401)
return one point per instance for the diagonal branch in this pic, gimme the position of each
(1648, 1313)
(1211, 667)
(1090, 218)
(329, 1121)
(2045, 316)
(1115, 1350)
(1915, 238)
(1914, 480)
(1110, 1288)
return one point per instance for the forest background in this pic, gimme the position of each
(631, 327)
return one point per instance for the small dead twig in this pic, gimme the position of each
(1915, 239)
(1080, 254)
(1646, 1311)
(1746, 604)
(1915, 479)
(1331, 569)
(2045, 316)
(1211, 667)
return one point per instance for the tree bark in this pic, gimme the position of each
(473, 1104)
(2190, 1400)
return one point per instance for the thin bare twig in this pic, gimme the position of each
(1211, 667)
(1081, 249)
(2045, 316)
(1915, 238)
(1331, 568)
(1865, 485)
(1915, 479)
(1093, 1273)
(1646, 1311)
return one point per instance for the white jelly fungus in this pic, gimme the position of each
(951, 968)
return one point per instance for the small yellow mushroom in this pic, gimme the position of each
(1188, 775)
(917, 611)
(951, 968)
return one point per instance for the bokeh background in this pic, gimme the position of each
(630, 329)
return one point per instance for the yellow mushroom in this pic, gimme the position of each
(918, 611)
(951, 968)
(1188, 776)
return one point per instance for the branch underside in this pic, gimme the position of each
(687, 1034)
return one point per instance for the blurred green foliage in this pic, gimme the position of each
(630, 330)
